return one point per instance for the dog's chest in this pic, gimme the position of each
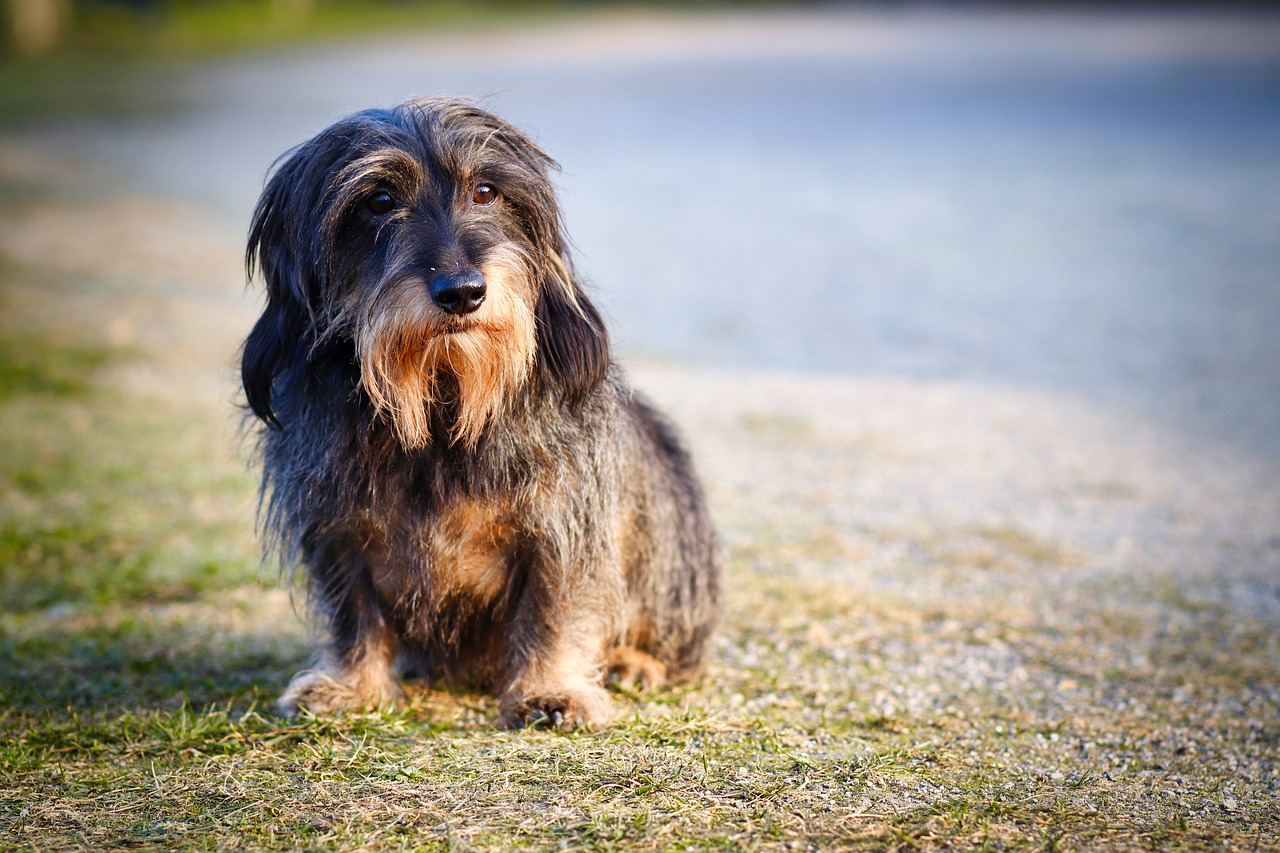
(466, 551)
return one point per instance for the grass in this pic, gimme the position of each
(90, 486)
(140, 654)
(187, 29)
(142, 725)
(30, 367)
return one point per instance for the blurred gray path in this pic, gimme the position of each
(1079, 204)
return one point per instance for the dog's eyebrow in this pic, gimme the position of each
(484, 144)
(388, 164)
(499, 148)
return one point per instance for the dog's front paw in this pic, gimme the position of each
(325, 696)
(561, 708)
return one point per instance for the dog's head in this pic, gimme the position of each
(428, 238)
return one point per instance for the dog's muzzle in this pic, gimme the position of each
(460, 293)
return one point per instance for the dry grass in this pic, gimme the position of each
(909, 708)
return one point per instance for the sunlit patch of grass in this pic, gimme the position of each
(112, 504)
(107, 496)
(31, 365)
(997, 547)
(76, 562)
(100, 504)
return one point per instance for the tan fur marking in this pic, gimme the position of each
(630, 668)
(474, 537)
(406, 344)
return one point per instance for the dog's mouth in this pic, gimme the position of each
(460, 327)
(455, 326)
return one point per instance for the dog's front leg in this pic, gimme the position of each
(356, 669)
(556, 651)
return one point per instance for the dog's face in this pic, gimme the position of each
(427, 236)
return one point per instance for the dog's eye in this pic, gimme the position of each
(484, 194)
(381, 203)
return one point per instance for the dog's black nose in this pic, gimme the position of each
(461, 293)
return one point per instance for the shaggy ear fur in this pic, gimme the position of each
(265, 352)
(285, 249)
(573, 346)
(272, 252)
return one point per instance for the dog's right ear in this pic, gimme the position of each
(286, 251)
(264, 354)
(274, 253)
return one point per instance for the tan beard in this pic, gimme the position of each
(405, 348)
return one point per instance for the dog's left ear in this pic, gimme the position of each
(573, 346)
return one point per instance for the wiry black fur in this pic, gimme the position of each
(568, 538)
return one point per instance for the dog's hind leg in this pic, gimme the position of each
(631, 669)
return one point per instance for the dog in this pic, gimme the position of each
(449, 452)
